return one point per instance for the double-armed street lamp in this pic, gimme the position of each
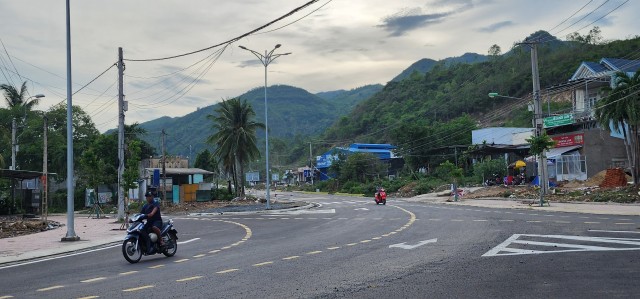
(266, 59)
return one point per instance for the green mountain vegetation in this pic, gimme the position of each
(422, 112)
(424, 65)
(293, 113)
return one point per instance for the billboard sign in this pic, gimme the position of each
(558, 120)
(252, 176)
(569, 140)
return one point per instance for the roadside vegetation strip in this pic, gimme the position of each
(139, 288)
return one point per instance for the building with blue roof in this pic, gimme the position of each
(384, 152)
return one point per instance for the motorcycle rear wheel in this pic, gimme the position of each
(169, 252)
(131, 252)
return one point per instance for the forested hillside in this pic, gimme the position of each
(416, 107)
(293, 112)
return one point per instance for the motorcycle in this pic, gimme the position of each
(495, 181)
(381, 197)
(135, 246)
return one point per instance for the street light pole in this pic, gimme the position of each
(266, 59)
(71, 234)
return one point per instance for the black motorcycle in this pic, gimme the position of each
(496, 180)
(135, 246)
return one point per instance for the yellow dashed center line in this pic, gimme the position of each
(50, 288)
(138, 288)
(333, 248)
(352, 244)
(199, 255)
(94, 279)
(156, 266)
(189, 278)
(376, 238)
(180, 261)
(365, 241)
(262, 264)
(314, 252)
(392, 233)
(227, 271)
(226, 247)
(127, 273)
(291, 257)
(214, 251)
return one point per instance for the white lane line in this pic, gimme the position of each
(614, 231)
(189, 241)
(138, 288)
(94, 279)
(49, 288)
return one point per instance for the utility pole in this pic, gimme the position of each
(44, 209)
(311, 163)
(121, 110)
(164, 169)
(13, 143)
(537, 121)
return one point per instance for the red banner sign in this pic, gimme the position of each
(569, 140)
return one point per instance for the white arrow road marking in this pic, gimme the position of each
(189, 241)
(602, 244)
(361, 209)
(405, 246)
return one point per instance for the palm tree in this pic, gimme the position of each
(621, 108)
(18, 99)
(235, 138)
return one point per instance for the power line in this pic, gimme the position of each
(233, 39)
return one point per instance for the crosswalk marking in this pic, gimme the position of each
(556, 241)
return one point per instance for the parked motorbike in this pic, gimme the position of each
(381, 197)
(135, 246)
(494, 181)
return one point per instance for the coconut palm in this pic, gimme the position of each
(235, 138)
(18, 98)
(621, 108)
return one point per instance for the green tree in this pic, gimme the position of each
(362, 167)
(17, 98)
(621, 108)
(235, 138)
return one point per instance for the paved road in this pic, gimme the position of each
(349, 247)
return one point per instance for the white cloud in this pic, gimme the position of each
(343, 45)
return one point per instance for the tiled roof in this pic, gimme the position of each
(621, 65)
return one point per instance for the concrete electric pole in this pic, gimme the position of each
(538, 121)
(121, 110)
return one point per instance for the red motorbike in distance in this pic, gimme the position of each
(381, 197)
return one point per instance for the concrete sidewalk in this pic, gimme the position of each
(96, 233)
(92, 233)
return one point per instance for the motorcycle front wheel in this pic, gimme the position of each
(131, 252)
(171, 251)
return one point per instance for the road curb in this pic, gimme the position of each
(306, 207)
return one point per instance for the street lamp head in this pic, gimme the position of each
(278, 46)
(243, 48)
(39, 96)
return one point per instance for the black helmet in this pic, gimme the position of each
(148, 194)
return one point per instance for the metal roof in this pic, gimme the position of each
(20, 174)
(183, 171)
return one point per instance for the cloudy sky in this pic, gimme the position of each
(335, 44)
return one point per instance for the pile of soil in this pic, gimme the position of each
(13, 226)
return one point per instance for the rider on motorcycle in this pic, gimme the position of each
(151, 210)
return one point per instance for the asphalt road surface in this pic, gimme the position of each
(349, 247)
